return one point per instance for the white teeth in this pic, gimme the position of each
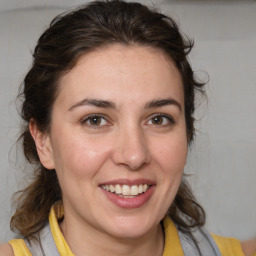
(125, 190)
(134, 190)
(112, 188)
(118, 189)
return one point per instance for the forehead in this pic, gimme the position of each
(136, 72)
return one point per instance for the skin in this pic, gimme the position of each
(249, 246)
(125, 145)
(6, 250)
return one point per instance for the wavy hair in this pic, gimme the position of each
(70, 36)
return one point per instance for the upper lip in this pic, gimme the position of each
(128, 182)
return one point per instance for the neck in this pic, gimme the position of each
(86, 240)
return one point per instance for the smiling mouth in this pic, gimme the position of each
(126, 191)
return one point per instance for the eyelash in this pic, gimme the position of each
(84, 121)
(90, 117)
(169, 119)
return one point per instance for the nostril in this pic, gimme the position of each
(131, 149)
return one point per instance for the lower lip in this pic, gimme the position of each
(130, 203)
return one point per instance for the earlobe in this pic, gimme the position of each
(43, 145)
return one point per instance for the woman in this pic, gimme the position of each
(108, 116)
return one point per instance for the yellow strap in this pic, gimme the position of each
(228, 246)
(172, 242)
(58, 237)
(19, 247)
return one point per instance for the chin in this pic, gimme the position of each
(131, 228)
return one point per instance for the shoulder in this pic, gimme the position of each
(6, 250)
(249, 247)
(229, 246)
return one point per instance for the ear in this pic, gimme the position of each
(43, 145)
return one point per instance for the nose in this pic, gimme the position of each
(131, 149)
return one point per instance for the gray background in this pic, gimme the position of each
(222, 160)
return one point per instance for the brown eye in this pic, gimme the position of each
(95, 121)
(161, 120)
(157, 120)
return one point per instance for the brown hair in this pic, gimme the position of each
(68, 37)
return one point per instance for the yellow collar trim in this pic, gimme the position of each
(19, 247)
(172, 241)
(172, 245)
(56, 213)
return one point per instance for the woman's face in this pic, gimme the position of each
(118, 140)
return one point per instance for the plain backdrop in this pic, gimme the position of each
(221, 161)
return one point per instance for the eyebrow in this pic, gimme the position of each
(156, 103)
(94, 102)
(163, 102)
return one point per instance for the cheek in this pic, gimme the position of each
(80, 156)
(171, 155)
